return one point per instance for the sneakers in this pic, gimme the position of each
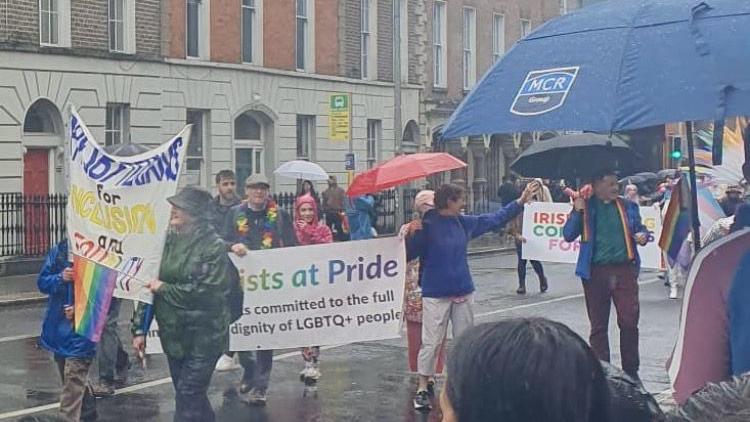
(422, 400)
(256, 397)
(226, 363)
(521, 290)
(104, 388)
(543, 286)
(673, 291)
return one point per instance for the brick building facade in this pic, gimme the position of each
(232, 67)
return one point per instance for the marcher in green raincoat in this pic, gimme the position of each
(190, 303)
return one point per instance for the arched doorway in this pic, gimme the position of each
(43, 161)
(42, 140)
(251, 129)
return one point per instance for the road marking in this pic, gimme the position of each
(19, 337)
(167, 380)
(547, 302)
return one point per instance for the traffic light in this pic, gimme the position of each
(676, 152)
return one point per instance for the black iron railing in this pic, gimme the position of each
(30, 224)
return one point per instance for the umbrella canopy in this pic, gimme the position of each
(617, 65)
(575, 156)
(402, 169)
(647, 175)
(300, 169)
(663, 174)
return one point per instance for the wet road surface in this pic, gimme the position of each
(360, 382)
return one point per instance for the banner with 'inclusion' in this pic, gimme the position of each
(543, 230)
(117, 213)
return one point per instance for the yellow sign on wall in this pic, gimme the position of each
(339, 111)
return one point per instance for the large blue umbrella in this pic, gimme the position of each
(615, 66)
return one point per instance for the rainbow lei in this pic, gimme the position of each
(269, 226)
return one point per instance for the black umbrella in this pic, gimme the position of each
(647, 175)
(663, 174)
(578, 156)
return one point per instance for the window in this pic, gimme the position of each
(439, 23)
(368, 24)
(49, 22)
(498, 37)
(249, 23)
(525, 27)
(116, 25)
(302, 35)
(563, 7)
(193, 27)
(195, 159)
(117, 126)
(246, 127)
(469, 44)
(248, 151)
(404, 24)
(373, 141)
(305, 136)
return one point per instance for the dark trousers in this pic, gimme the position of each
(110, 354)
(191, 377)
(76, 401)
(536, 265)
(334, 222)
(258, 366)
(616, 283)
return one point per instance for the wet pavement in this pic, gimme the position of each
(361, 382)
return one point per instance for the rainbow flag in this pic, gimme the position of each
(93, 287)
(676, 225)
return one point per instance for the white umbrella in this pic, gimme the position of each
(300, 169)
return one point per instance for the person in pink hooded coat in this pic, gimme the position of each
(310, 231)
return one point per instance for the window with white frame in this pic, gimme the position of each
(303, 35)
(368, 27)
(195, 159)
(498, 37)
(117, 25)
(439, 41)
(252, 33)
(469, 45)
(54, 23)
(404, 24)
(374, 130)
(305, 136)
(248, 147)
(117, 124)
(525, 27)
(196, 34)
(563, 7)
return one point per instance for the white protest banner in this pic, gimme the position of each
(317, 295)
(320, 295)
(117, 213)
(543, 229)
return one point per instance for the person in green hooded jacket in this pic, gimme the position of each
(190, 303)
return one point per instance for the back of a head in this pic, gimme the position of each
(727, 401)
(531, 370)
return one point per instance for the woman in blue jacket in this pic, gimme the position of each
(73, 353)
(441, 240)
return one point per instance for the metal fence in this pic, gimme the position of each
(30, 224)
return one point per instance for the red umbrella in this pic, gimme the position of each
(402, 169)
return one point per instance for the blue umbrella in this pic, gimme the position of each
(615, 66)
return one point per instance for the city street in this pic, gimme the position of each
(361, 382)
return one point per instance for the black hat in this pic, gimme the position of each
(194, 200)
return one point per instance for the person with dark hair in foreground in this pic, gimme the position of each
(530, 370)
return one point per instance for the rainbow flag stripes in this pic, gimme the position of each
(676, 226)
(93, 287)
